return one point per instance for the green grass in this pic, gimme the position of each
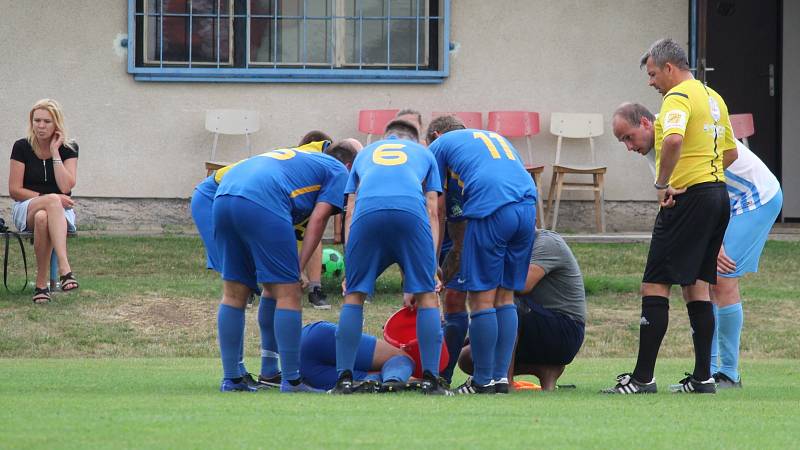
(131, 361)
(173, 403)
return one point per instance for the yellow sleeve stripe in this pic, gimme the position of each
(305, 190)
(457, 177)
(221, 172)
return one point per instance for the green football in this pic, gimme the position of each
(332, 263)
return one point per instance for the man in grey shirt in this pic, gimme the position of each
(552, 313)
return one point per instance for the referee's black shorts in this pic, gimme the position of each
(687, 237)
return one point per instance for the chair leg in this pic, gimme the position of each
(214, 147)
(551, 195)
(596, 190)
(53, 270)
(600, 179)
(537, 178)
(554, 217)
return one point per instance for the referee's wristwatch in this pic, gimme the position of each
(660, 186)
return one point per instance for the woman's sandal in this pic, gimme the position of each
(41, 295)
(68, 282)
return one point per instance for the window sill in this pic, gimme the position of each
(287, 76)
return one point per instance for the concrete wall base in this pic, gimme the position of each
(172, 215)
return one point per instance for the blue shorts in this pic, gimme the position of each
(747, 233)
(381, 238)
(497, 248)
(253, 243)
(318, 355)
(547, 337)
(203, 219)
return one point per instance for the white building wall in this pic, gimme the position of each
(147, 140)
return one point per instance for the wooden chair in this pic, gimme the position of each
(536, 174)
(576, 126)
(211, 166)
(743, 127)
(232, 122)
(373, 121)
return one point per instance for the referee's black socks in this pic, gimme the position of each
(701, 318)
(652, 327)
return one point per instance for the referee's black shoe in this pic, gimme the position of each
(691, 385)
(432, 385)
(344, 385)
(470, 387)
(626, 384)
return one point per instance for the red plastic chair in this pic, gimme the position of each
(373, 121)
(516, 124)
(471, 119)
(743, 126)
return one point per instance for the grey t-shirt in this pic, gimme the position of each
(561, 288)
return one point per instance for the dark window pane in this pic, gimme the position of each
(209, 6)
(204, 41)
(261, 40)
(176, 6)
(403, 42)
(261, 7)
(176, 46)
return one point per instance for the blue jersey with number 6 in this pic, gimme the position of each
(486, 167)
(390, 174)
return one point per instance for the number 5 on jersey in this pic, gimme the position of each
(389, 155)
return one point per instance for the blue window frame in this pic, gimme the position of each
(362, 41)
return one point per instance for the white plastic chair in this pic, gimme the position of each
(232, 122)
(577, 126)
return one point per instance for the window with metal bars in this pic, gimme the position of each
(289, 40)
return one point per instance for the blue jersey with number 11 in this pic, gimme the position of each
(390, 174)
(486, 167)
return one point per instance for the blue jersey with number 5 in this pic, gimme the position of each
(393, 174)
(289, 182)
(486, 167)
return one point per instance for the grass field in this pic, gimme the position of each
(130, 361)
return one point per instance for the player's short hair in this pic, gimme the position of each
(665, 51)
(633, 113)
(442, 125)
(314, 136)
(411, 112)
(344, 151)
(402, 129)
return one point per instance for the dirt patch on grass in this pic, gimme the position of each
(153, 313)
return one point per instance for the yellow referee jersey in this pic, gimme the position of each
(700, 115)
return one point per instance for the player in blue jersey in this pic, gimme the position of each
(201, 209)
(257, 203)
(379, 366)
(456, 318)
(392, 218)
(499, 205)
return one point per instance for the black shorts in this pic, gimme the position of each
(547, 337)
(687, 237)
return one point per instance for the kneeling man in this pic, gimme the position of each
(552, 313)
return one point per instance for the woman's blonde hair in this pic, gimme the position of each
(54, 108)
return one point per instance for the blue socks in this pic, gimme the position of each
(269, 346)
(230, 328)
(506, 337)
(288, 326)
(397, 368)
(242, 368)
(348, 336)
(483, 339)
(456, 326)
(429, 336)
(727, 337)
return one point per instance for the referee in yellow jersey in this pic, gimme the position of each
(692, 132)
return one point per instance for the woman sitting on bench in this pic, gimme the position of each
(43, 170)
